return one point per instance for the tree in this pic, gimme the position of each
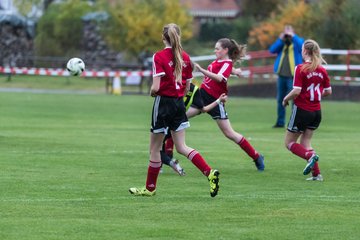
(334, 24)
(260, 10)
(59, 31)
(136, 26)
(266, 32)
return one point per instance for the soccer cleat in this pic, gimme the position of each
(315, 178)
(177, 168)
(141, 192)
(259, 163)
(311, 162)
(214, 182)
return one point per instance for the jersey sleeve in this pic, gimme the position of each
(225, 70)
(158, 69)
(187, 69)
(326, 81)
(297, 78)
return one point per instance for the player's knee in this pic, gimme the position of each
(288, 145)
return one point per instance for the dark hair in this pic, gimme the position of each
(235, 51)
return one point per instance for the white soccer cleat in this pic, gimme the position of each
(177, 168)
(317, 178)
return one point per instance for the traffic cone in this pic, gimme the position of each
(116, 90)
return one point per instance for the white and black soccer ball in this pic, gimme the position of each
(75, 66)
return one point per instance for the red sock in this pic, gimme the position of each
(151, 179)
(245, 145)
(169, 147)
(300, 151)
(316, 169)
(199, 162)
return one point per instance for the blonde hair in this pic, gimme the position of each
(171, 33)
(235, 51)
(312, 49)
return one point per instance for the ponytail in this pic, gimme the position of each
(171, 33)
(312, 50)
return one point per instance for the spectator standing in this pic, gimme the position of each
(288, 50)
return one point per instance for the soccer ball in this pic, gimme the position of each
(75, 66)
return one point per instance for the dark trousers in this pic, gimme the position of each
(284, 86)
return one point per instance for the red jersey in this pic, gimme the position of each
(312, 84)
(212, 87)
(164, 66)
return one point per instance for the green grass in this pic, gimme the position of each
(67, 161)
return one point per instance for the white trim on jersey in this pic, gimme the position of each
(223, 69)
(295, 76)
(154, 68)
(329, 88)
(159, 74)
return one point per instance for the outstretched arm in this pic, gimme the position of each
(213, 76)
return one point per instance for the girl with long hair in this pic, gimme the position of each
(172, 73)
(311, 84)
(227, 52)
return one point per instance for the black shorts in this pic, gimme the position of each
(301, 120)
(168, 114)
(217, 112)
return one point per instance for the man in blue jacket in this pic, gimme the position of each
(288, 50)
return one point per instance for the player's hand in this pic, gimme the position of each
(153, 93)
(197, 66)
(282, 36)
(223, 98)
(237, 72)
(285, 102)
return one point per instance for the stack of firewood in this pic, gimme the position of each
(95, 50)
(16, 47)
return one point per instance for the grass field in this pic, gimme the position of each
(67, 161)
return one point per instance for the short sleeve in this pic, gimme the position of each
(225, 70)
(326, 80)
(158, 69)
(187, 70)
(297, 78)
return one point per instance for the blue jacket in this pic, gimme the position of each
(295, 57)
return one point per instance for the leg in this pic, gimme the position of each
(305, 140)
(192, 112)
(280, 121)
(228, 131)
(169, 147)
(296, 148)
(299, 150)
(197, 160)
(189, 153)
(156, 141)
